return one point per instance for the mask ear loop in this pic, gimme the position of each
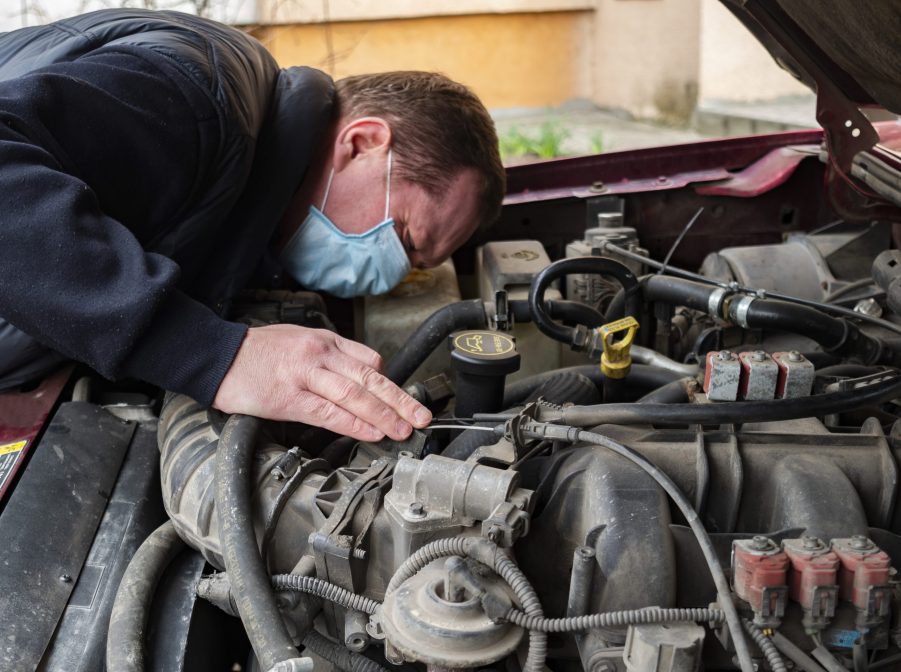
(388, 187)
(328, 187)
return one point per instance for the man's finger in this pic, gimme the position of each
(360, 352)
(312, 409)
(382, 388)
(359, 402)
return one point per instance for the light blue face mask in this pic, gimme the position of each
(322, 257)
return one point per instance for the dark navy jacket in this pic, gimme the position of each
(145, 161)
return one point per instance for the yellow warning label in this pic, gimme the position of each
(7, 448)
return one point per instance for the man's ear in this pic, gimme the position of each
(364, 137)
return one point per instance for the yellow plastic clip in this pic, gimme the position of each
(616, 359)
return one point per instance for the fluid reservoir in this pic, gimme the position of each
(510, 265)
(390, 318)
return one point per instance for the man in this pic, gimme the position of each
(149, 160)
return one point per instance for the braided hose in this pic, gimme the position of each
(501, 564)
(614, 619)
(327, 591)
(766, 646)
(519, 584)
(441, 548)
(337, 655)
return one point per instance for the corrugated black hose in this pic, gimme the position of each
(588, 265)
(131, 608)
(251, 589)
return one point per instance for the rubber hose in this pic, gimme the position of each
(641, 377)
(253, 596)
(614, 619)
(565, 311)
(563, 387)
(675, 392)
(564, 267)
(832, 333)
(678, 292)
(131, 608)
(767, 648)
(432, 333)
(736, 412)
(299, 583)
(337, 655)
(848, 370)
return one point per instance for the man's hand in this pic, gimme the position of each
(284, 372)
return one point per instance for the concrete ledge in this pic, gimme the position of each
(721, 118)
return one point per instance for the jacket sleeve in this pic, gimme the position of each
(84, 146)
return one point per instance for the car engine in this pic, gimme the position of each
(663, 470)
(665, 439)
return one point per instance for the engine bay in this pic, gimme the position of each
(666, 438)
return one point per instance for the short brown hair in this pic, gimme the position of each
(439, 127)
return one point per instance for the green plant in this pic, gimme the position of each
(547, 144)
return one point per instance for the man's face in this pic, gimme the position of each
(430, 226)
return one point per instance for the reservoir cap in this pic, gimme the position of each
(483, 353)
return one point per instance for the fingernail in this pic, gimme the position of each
(403, 428)
(422, 416)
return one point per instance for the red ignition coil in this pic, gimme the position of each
(813, 580)
(759, 573)
(863, 579)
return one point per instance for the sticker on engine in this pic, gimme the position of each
(843, 639)
(9, 458)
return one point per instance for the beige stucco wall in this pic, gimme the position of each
(652, 58)
(646, 56)
(734, 65)
(510, 60)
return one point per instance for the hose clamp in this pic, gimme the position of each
(739, 310)
(715, 301)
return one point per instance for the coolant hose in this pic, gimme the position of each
(432, 333)
(640, 377)
(675, 392)
(253, 595)
(567, 311)
(564, 267)
(727, 412)
(832, 333)
(131, 608)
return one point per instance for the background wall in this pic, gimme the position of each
(650, 58)
(511, 60)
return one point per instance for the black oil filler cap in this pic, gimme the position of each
(481, 361)
(483, 353)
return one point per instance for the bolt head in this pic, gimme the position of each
(759, 356)
(860, 542)
(810, 543)
(794, 356)
(760, 543)
(417, 509)
(65, 578)
(725, 355)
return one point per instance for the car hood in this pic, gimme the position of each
(854, 44)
